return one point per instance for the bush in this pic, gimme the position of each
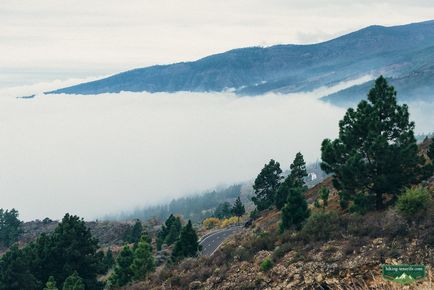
(280, 251)
(229, 221)
(211, 222)
(321, 226)
(364, 226)
(266, 265)
(413, 202)
(394, 225)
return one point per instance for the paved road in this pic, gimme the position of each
(211, 242)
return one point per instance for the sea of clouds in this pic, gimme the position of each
(98, 154)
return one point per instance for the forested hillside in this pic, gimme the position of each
(402, 53)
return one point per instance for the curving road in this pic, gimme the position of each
(211, 242)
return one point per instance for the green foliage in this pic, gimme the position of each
(143, 261)
(10, 227)
(15, 273)
(282, 194)
(123, 274)
(132, 235)
(320, 226)
(431, 150)
(362, 203)
(266, 185)
(324, 195)
(294, 179)
(223, 210)
(51, 284)
(316, 203)
(413, 202)
(298, 171)
(376, 151)
(169, 232)
(74, 282)
(187, 245)
(238, 208)
(295, 211)
(344, 199)
(69, 248)
(254, 214)
(266, 265)
(108, 260)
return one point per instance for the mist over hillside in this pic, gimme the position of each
(131, 150)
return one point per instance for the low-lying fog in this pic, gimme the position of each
(93, 155)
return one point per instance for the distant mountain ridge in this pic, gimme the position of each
(404, 53)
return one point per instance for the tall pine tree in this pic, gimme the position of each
(143, 261)
(123, 273)
(376, 151)
(187, 245)
(295, 179)
(238, 208)
(266, 185)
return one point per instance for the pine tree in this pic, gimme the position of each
(294, 179)
(108, 260)
(223, 210)
(143, 262)
(123, 273)
(133, 234)
(15, 271)
(187, 245)
(266, 185)
(298, 171)
(74, 282)
(376, 151)
(51, 284)
(295, 211)
(174, 231)
(238, 208)
(282, 193)
(10, 227)
(69, 248)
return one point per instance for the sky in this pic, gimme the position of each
(49, 39)
(94, 155)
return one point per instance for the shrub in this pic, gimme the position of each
(321, 226)
(394, 225)
(413, 202)
(280, 251)
(266, 265)
(364, 226)
(254, 214)
(211, 222)
(229, 221)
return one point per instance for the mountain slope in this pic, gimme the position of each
(282, 68)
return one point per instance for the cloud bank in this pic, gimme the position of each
(93, 155)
